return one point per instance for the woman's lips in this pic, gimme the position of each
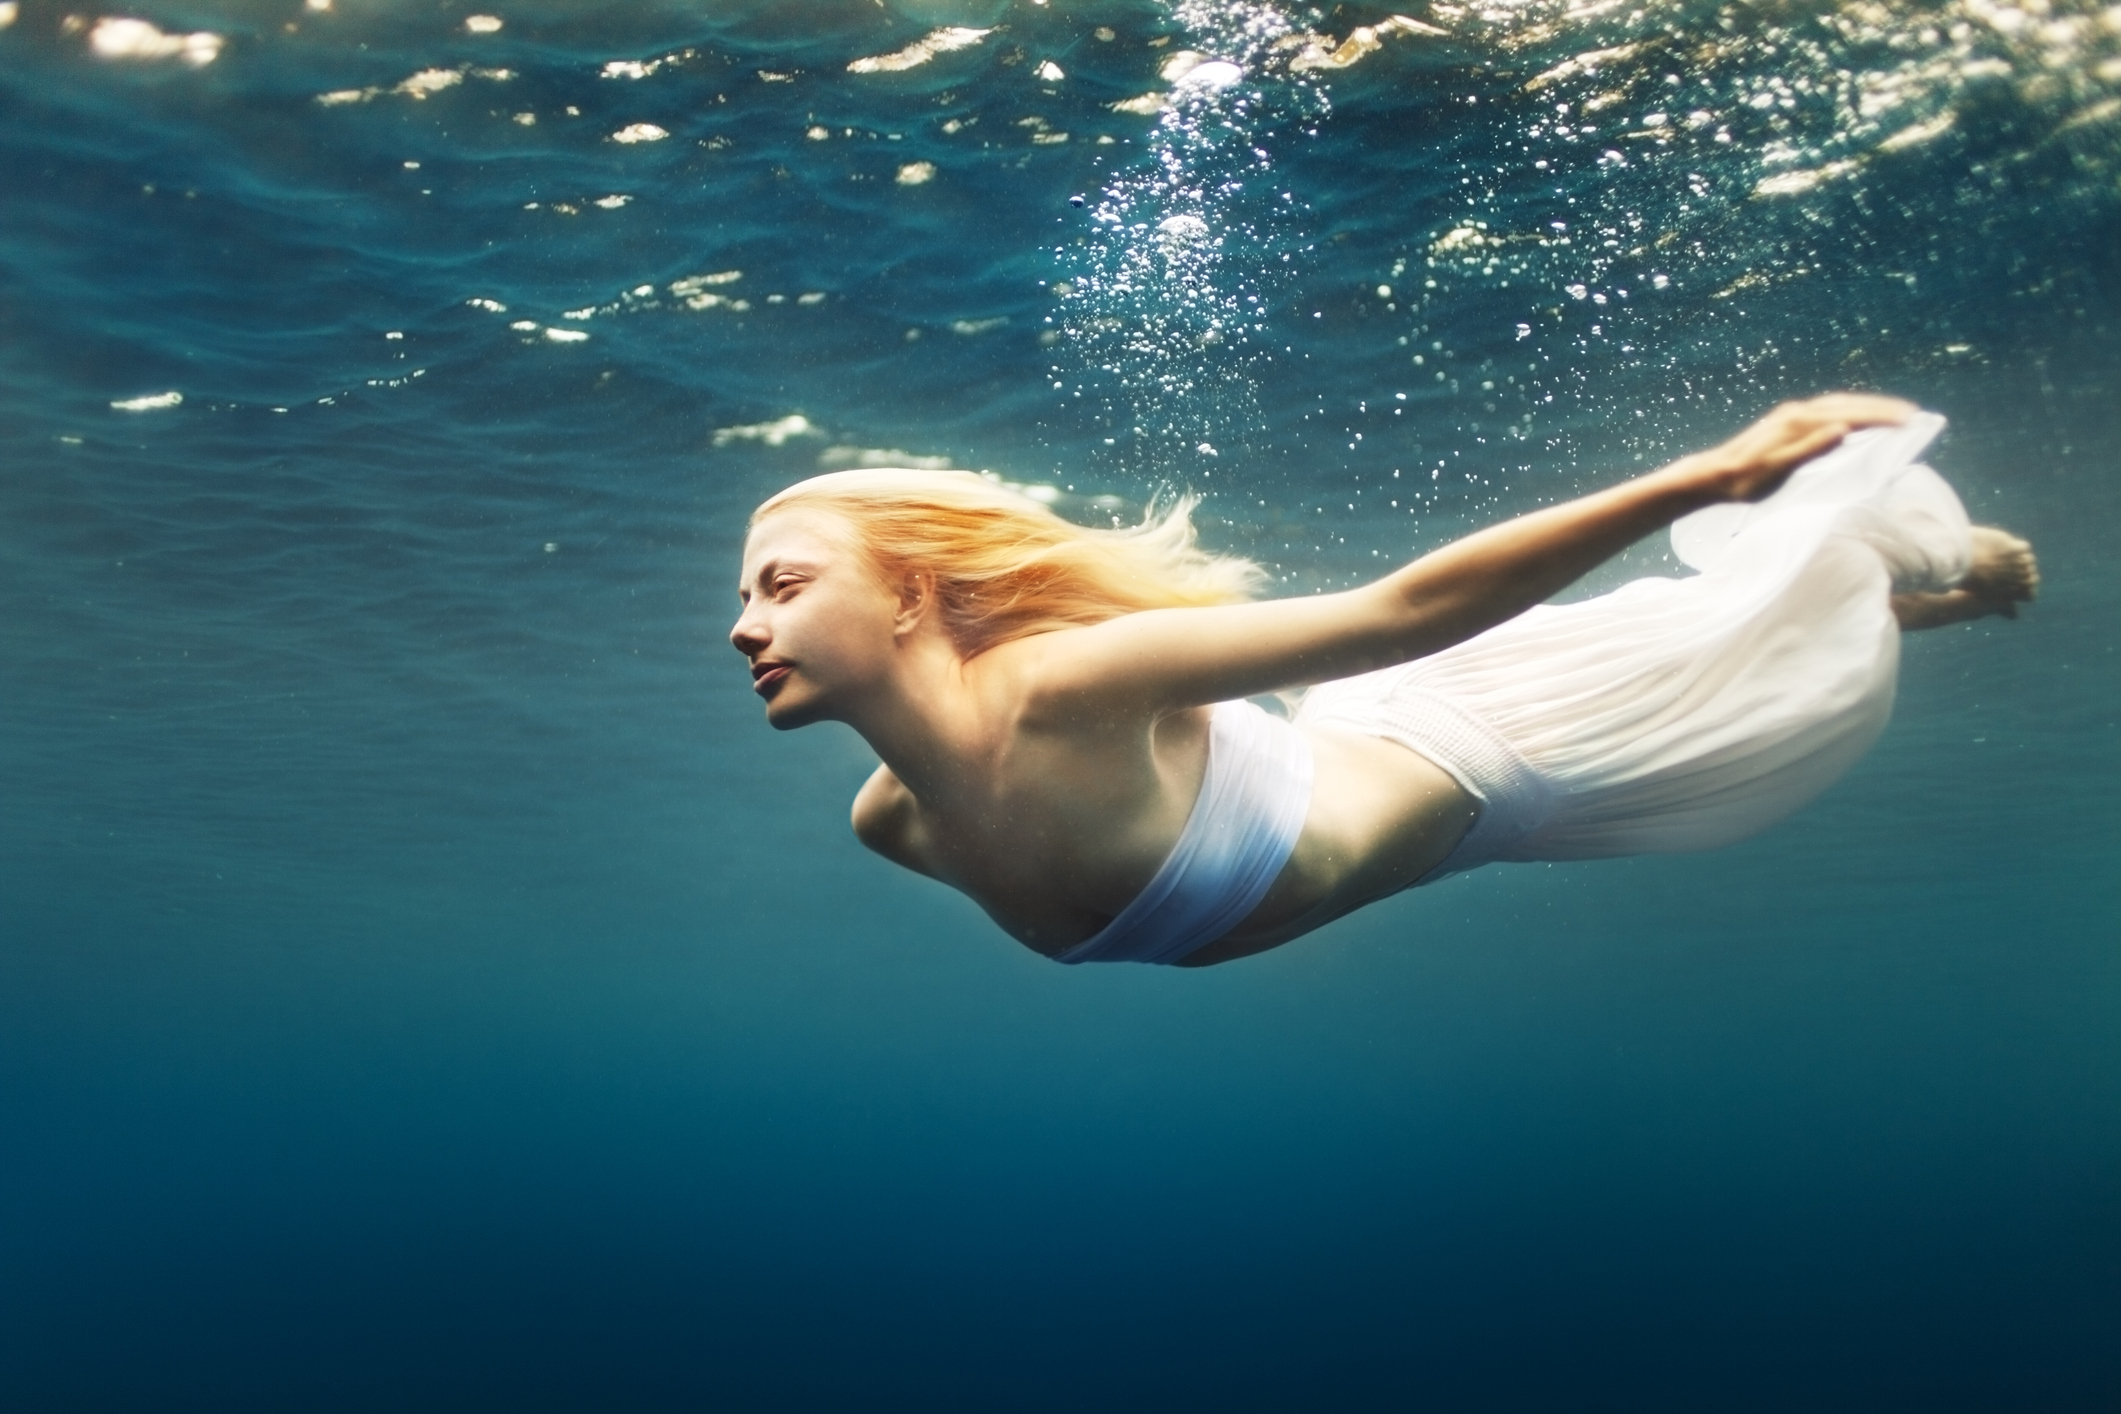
(766, 681)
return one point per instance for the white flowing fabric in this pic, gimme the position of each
(1685, 714)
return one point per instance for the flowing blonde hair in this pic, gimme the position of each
(1005, 566)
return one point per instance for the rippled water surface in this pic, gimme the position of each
(424, 982)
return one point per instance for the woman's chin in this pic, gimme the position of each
(786, 711)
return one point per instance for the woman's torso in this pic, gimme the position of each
(1053, 822)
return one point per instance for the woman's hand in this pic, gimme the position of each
(1759, 459)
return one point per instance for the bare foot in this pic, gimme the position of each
(2004, 575)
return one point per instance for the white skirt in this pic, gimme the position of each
(1684, 714)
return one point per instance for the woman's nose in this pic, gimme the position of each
(747, 635)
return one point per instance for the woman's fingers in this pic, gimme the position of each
(1811, 442)
(1855, 409)
(1860, 409)
(1759, 459)
(1833, 416)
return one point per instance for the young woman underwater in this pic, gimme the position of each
(1061, 710)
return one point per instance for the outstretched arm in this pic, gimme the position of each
(1171, 658)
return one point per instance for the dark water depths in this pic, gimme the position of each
(425, 984)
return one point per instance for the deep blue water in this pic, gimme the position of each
(425, 984)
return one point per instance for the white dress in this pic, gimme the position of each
(1685, 714)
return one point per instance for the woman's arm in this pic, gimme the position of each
(1169, 658)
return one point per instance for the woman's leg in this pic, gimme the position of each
(2004, 575)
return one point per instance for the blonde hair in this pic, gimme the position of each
(1005, 566)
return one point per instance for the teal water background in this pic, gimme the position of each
(425, 983)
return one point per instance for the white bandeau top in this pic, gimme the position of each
(1244, 824)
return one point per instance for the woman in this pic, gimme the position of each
(1061, 717)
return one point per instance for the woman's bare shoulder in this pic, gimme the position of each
(887, 819)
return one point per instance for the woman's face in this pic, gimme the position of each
(817, 625)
